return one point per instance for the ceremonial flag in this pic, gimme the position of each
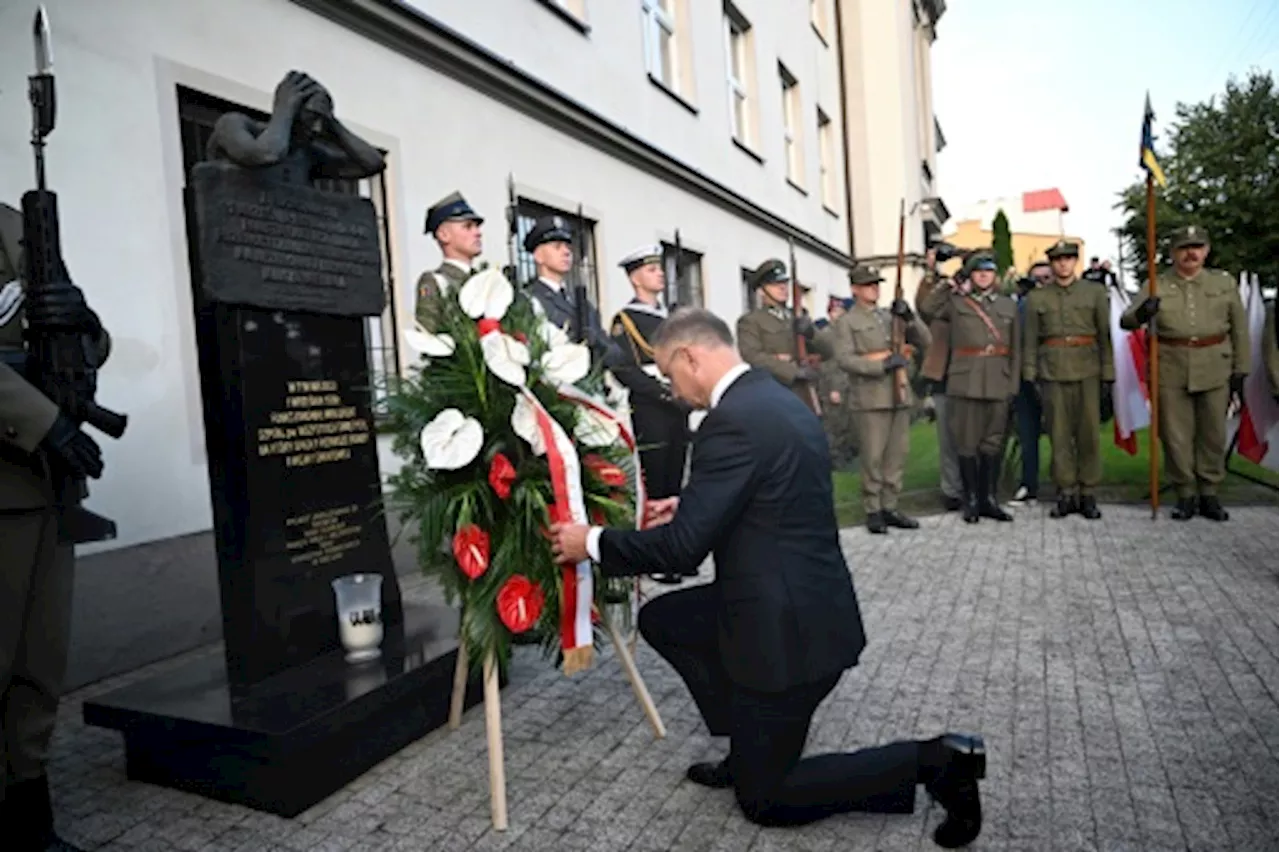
(1147, 157)
(1258, 414)
(1132, 410)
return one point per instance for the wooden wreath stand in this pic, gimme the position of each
(493, 712)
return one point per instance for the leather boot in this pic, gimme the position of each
(988, 480)
(1211, 508)
(1089, 507)
(894, 518)
(969, 481)
(1185, 509)
(876, 523)
(1066, 506)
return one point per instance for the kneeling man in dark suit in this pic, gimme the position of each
(767, 641)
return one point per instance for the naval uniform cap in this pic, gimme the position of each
(452, 208)
(1191, 235)
(640, 257)
(548, 229)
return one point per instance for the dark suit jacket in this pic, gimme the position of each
(759, 496)
(560, 313)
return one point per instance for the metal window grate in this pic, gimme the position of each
(685, 289)
(584, 245)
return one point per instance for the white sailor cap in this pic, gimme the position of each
(641, 256)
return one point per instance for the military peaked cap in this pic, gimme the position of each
(452, 208)
(1191, 235)
(978, 260)
(640, 257)
(865, 275)
(1063, 248)
(772, 271)
(549, 229)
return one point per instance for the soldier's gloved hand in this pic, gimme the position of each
(62, 309)
(895, 361)
(1147, 309)
(806, 373)
(901, 309)
(803, 325)
(73, 448)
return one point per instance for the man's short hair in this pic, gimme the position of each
(692, 325)
(1044, 263)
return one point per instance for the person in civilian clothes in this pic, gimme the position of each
(765, 643)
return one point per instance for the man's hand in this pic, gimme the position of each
(569, 542)
(659, 512)
(834, 396)
(896, 361)
(901, 310)
(806, 373)
(71, 447)
(1236, 400)
(1149, 307)
(64, 308)
(931, 258)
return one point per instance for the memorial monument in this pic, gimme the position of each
(284, 275)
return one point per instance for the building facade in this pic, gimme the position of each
(726, 121)
(1037, 220)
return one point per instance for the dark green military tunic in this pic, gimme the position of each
(1066, 347)
(767, 340)
(1204, 339)
(833, 391)
(447, 277)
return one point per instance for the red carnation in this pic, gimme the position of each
(597, 517)
(520, 335)
(519, 603)
(471, 549)
(487, 325)
(502, 475)
(607, 472)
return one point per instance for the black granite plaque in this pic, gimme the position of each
(274, 245)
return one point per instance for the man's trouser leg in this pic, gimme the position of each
(1060, 397)
(895, 456)
(948, 459)
(774, 786)
(681, 627)
(1177, 435)
(1028, 414)
(873, 436)
(993, 420)
(967, 420)
(1088, 431)
(35, 623)
(1211, 438)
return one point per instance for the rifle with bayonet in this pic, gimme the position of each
(801, 353)
(513, 235)
(581, 309)
(65, 341)
(899, 336)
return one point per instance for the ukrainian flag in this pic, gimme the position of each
(1147, 159)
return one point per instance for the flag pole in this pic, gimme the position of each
(1153, 357)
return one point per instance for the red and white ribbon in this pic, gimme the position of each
(572, 394)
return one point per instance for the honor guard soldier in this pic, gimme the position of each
(833, 387)
(1204, 359)
(949, 481)
(864, 338)
(551, 244)
(36, 567)
(1066, 350)
(982, 374)
(456, 229)
(660, 421)
(767, 335)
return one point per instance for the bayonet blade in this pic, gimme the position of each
(42, 41)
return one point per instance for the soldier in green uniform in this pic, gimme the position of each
(767, 335)
(982, 375)
(1204, 358)
(863, 340)
(833, 388)
(456, 228)
(1066, 350)
(35, 575)
(949, 481)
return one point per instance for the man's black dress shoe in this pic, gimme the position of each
(1185, 510)
(1089, 508)
(713, 775)
(951, 504)
(894, 518)
(1212, 509)
(1066, 506)
(876, 523)
(955, 788)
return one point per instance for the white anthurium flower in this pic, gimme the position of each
(566, 363)
(486, 294)
(451, 441)
(553, 335)
(595, 430)
(425, 343)
(524, 422)
(505, 356)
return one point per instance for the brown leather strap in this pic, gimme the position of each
(986, 320)
(1070, 340)
(981, 351)
(1192, 342)
(907, 349)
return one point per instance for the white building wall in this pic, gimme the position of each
(116, 163)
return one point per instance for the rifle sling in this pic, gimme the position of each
(986, 320)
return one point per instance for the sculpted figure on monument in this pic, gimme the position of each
(302, 134)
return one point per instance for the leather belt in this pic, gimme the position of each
(1192, 342)
(1070, 340)
(907, 349)
(980, 351)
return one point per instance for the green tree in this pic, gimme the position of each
(1001, 242)
(1220, 164)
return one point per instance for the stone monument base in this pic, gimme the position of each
(286, 743)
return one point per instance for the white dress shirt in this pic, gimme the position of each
(717, 392)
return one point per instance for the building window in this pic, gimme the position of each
(198, 112)
(791, 136)
(683, 270)
(818, 17)
(750, 296)
(584, 246)
(738, 60)
(827, 177)
(660, 48)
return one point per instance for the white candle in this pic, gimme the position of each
(359, 639)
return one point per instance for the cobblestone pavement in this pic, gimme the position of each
(1124, 673)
